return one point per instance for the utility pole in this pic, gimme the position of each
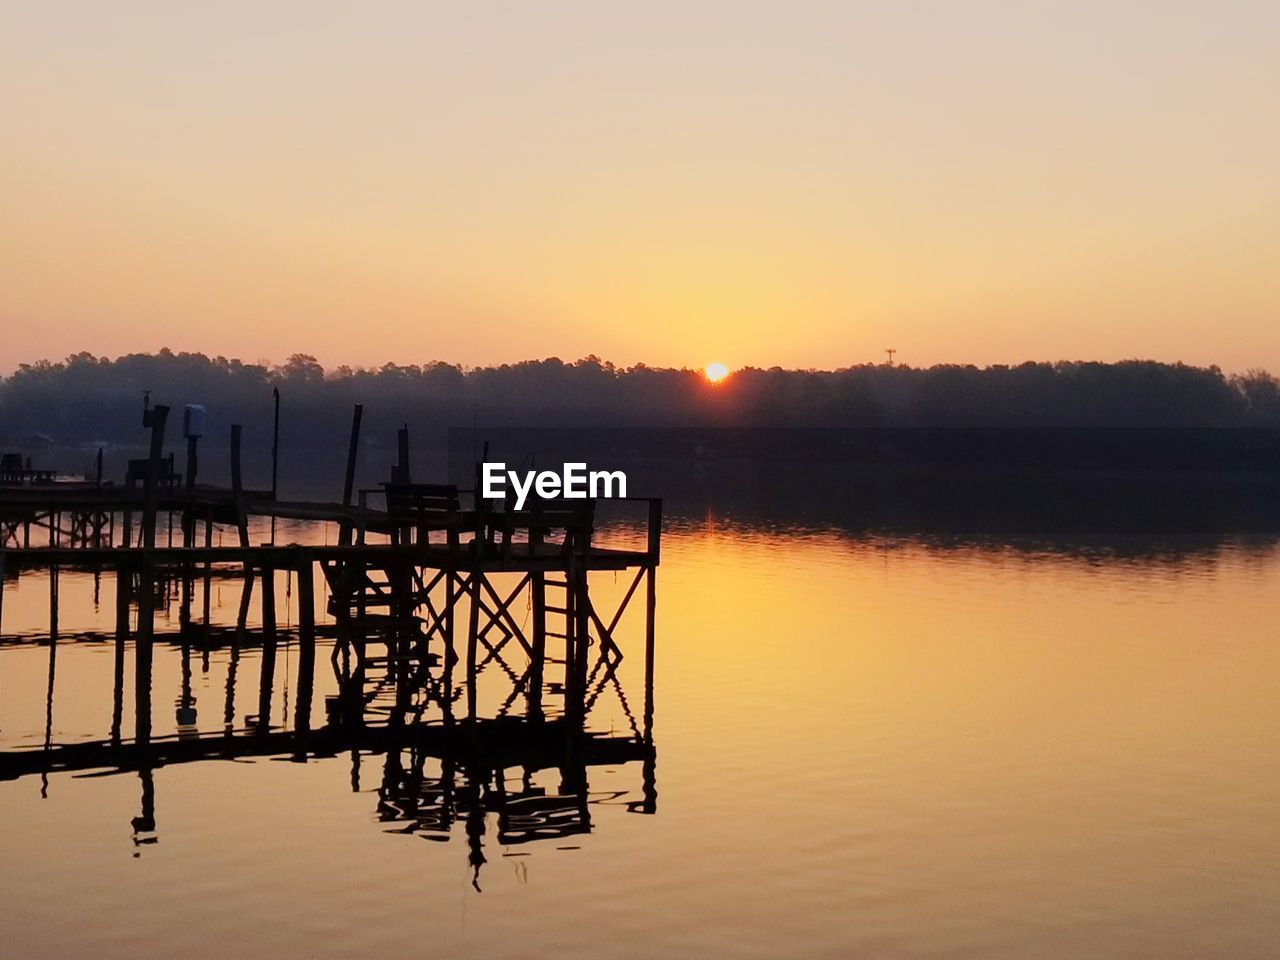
(891, 352)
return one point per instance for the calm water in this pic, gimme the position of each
(863, 748)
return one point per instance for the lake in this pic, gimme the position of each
(863, 746)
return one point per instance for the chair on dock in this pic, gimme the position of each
(540, 520)
(363, 582)
(137, 470)
(11, 468)
(416, 510)
(14, 471)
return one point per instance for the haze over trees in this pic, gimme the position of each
(91, 399)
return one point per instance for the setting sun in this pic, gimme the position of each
(716, 372)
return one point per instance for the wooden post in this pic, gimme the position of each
(268, 647)
(538, 598)
(192, 442)
(473, 632)
(208, 570)
(655, 531)
(184, 607)
(570, 624)
(582, 638)
(53, 601)
(482, 506)
(53, 663)
(237, 638)
(651, 603)
(188, 516)
(145, 821)
(142, 660)
(400, 667)
(402, 474)
(306, 640)
(576, 655)
(237, 487)
(450, 653)
(349, 481)
(142, 654)
(155, 419)
(185, 714)
(123, 581)
(401, 584)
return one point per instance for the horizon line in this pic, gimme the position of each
(341, 370)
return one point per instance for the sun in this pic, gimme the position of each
(716, 372)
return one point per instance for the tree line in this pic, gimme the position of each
(87, 399)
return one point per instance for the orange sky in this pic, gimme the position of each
(801, 184)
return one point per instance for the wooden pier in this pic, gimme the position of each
(420, 587)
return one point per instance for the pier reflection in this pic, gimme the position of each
(439, 706)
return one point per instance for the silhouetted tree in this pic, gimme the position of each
(86, 398)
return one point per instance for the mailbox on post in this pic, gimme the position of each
(193, 420)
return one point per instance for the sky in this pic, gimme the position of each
(794, 183)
